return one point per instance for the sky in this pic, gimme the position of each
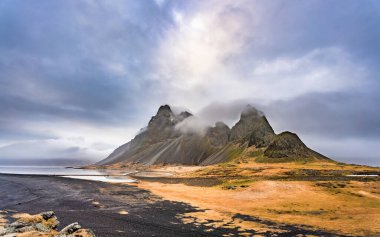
(78, 78)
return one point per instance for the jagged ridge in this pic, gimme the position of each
(163, 143)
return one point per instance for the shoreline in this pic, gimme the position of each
(238, 198)
(107, 209)
(122, 209)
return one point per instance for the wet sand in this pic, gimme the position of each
(117, 209)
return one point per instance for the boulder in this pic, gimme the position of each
(70, 229)
(43, 224)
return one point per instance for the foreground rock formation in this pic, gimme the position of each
(44, 224)
(173, 138)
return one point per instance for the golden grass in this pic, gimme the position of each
(3, 221)
(37, 234)
(27, 218)
(83, 233)
(264, 190)
(294, 202)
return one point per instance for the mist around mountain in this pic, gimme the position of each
(182, 138)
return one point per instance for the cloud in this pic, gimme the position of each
(226, 112)
(210, 54)
(99, 70)
(63, 139)
(350, 150)
(192, 125)
(331, 115)
(321, 70)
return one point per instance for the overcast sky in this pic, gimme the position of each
(80, 77)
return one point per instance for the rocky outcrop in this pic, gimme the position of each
(218, 135)
(289, 145)
(43, 224)
(252, 127)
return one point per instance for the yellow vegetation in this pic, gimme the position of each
(315, 194)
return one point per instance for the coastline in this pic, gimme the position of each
(121, 209)
(235, 198)
(107, 209)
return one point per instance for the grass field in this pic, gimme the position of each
(318, 195)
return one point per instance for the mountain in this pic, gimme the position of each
(253, 127)
(288, 145)
(172, 138)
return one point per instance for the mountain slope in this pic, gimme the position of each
(288, 145)
(164, 142)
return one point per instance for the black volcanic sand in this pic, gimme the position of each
(148, 215)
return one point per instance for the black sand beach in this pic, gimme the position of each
(114, 209)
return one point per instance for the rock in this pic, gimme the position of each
(70, 229)
(252, 127)
(9, 235)
(289, 145)
(47, 215)
(42, 227)
(17, 225)
(43, 224)
(82, 233)
(218, 135)
(230, 187)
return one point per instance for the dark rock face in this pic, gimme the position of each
(289, 145)
(218, 135)
(161, 126)
(162, 142)
(252, 127)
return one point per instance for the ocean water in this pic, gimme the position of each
(96, 175)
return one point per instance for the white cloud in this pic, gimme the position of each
(192, 125)
(321, 70)
(194, 54)
(72, 140)
(203, 58)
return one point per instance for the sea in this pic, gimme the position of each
(108, 176)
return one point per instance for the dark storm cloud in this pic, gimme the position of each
(75, 59)
(68, 63)
(329, 115)
(305, 25)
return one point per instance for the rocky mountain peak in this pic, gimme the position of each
(164, 117)
(164, 110)
(250, 112)
(164, 141)
(252, 127)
